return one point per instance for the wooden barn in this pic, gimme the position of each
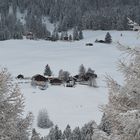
(39, 80)
(55, 81)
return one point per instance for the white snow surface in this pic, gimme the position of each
(74, 106)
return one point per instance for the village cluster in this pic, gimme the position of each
(84, 77)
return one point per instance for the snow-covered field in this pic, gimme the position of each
(74, 106)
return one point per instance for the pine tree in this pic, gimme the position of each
(82, 71)
(12, 125)
(62, 36)
(70, 37)
(67, 133)
(87, 131)
(55, 134)
(55, 35)
(122, 109)
(75, 34)
(90, 131)
(76, 134)
(35, 135)
(108, 38)
(47, 71)
(81, 35)
(105, 125)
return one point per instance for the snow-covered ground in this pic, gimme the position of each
(74, 106)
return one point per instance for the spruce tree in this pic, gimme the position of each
(70, 37)
(105, 124)
(81, 35)
(55, 134)
(67, 133)
(75, 34)
(82, 71)
(47, 71)
(12, 125)
(123, 105)
(76, 134)
(35, 135)
(108, 38)
(62, 36)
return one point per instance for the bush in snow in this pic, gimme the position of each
(43, 120)
(92, 82)
(64, 75)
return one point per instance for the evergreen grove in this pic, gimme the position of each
(65, 14)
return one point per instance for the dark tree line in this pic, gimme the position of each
(89, 131)
(67, 14)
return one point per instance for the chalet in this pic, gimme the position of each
(39, 80)
(55, 81)
(30, 35)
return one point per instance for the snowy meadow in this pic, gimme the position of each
(75, 106)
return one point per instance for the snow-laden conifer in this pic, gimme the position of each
(12, 125)
(123, 108)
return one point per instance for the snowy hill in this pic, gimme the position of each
(74, 106)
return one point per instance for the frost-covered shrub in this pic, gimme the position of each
(43, 120)
(64, 75)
